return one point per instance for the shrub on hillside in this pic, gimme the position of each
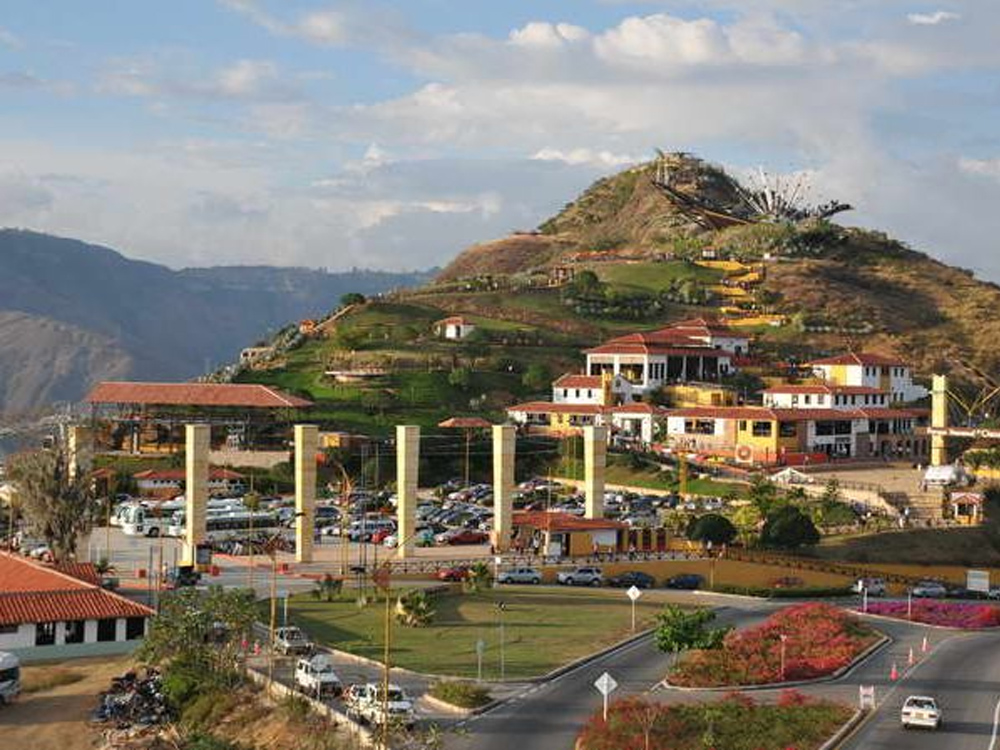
(788, 528)
(713, 528)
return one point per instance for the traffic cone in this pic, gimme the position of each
(923, 646)
(893, 673)
(909, 660)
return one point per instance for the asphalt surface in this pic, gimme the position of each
(548, 716)
(963, 675)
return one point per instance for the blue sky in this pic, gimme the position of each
(392, 134)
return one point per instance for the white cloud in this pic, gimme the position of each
(10, 40)
(983, 167)
(585, 156)
(932, 19)
(551, 35)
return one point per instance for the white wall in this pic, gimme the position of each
(23, 638)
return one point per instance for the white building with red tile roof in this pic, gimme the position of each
(889, 374)
(454, 328)
(824, 396)
(50, 613)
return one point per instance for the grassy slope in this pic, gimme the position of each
(543, 629)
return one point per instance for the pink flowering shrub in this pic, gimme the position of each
(947, 614)
(819, 640)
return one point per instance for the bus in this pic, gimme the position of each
(141, 519)
(229, 524)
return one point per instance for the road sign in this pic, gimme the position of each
(866, 696)
(480, 646)
(282, 593)
(978, 580)
(605, 685)
(634, 593)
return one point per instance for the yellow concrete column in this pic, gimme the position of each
(197, 439)
(306, 444)
(407, 477)
(504, 442)
(595, 449)
(79, 450)
(939, 420)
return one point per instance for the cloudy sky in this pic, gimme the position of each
(392, 134)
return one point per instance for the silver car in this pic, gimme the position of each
(929, 590)
(520, 575)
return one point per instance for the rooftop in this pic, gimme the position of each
(863, 358)
(571, 380)
(541, 519)
(194, 394)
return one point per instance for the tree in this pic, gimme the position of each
(763, 493)
(537, 377)
(747, 520)
(713, 528)
(327, 588)
(788, 528)
(586, 283)
(414, 609)
(55, 505)
(352, 298)
(460, 377)
(479, 578)
(679, 630)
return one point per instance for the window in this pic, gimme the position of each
(807, 399)
(699, 427)
(107, 629)
(795, 400)
(135, 628)
(74, 631)
(761, 429)
(787, 429)
(743, 425)
(577, 393)
(45, 634)
(8, 629)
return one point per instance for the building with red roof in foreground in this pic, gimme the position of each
(48, 612)
(150, 417)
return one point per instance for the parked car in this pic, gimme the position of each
(367, 704)
(787, 582)
(520, 575)
(316, 677)
(580, 577)
(920, 711)
(290, 640)
(10, 677)
(468, 536)
(685, 581)
(874, 586)
(994, 593)
(182, 576)
(929, 590)
(632, 578)
(455, 573)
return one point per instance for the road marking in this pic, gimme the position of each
(996, 722)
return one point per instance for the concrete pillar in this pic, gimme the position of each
(939, 419)
(79, 450)
(504, 442)
(595, 449)
(407, 477)
(306, 445)
(195, 488)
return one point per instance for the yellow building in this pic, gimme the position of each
(685, 395)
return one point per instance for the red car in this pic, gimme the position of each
(456, 573)
(379, 536)
(469, 536)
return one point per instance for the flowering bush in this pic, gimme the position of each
(948, 614)
(736, 722)
(818, 640)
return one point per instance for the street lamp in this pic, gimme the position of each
(784, 640)
(271, 547)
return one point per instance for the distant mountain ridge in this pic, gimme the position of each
(73, 313)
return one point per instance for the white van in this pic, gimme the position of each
(10, 677)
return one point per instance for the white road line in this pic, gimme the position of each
(996, 723)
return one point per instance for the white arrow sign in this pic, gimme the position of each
(634, 593)
(606, 685)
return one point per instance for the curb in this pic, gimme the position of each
(946, 628)
(832, 677)
(845, 732)
(458, 711)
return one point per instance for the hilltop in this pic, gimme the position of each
(73, 313)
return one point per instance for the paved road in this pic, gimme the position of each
(963, 674)
(549, 716)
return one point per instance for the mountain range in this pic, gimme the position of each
(73, 313)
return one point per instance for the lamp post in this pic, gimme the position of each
(784, 640)
(271, 547)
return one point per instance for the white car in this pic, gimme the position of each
(581, 577)
(929, 590)
(316, 677)
(920, 711)
(366, 702)
(520, 575)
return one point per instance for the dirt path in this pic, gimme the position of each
(56, 719)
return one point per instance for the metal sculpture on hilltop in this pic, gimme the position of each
(766, 198)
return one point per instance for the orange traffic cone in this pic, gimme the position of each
(923, 645)
(894, 673)
(909, 659)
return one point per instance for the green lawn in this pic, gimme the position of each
(543, 629)
(620, 472)
(654, 277)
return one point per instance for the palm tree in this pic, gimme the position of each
(414, 609)
(327, 588)
(479, 578)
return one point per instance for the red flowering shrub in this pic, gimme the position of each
(736, 722)
(948, 614)
(819, 639)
